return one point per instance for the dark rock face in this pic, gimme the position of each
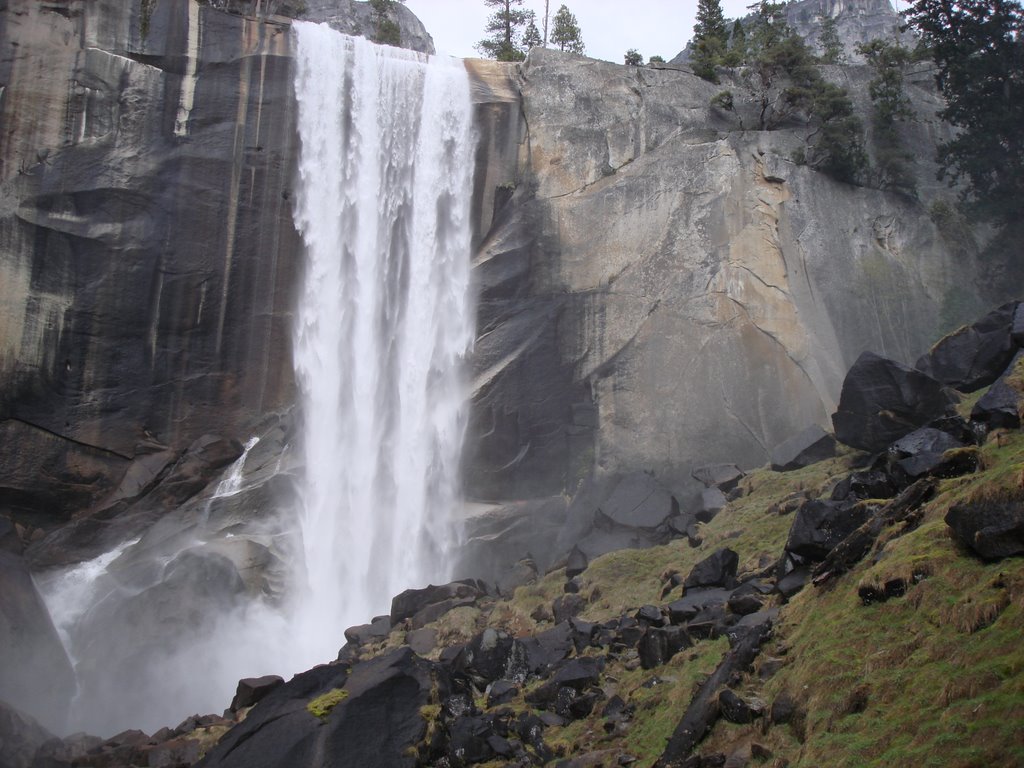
(973, 356)
(122, 516)
(252, 689)
(992, 530)
(735, 709)
(412, 601)
(883, 400)
(1001, 406)
(1017, 327)
(376, 722)
(721, 476)
(820, 525)
(170, 340)
(639, 501)
(35, 672)
(809, 446)
(498, 538)
(716, 570)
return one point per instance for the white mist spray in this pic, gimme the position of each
(383, 324)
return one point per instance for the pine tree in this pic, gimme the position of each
(710, 39)
(531, 35)
(737, 52)
(890, 104)
(831, 46)
(633, 58)
(503, 30)
(978, 46)
(565, 32)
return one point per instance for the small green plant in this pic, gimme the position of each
(322, 705)
(723, 100)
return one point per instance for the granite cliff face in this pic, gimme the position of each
(659, 287)
(666, 289)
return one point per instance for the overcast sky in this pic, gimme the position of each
(609, 27)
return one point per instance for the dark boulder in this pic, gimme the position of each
(973, 356)
(737, 710)
(485, 658)
(716, 570)
(374, 722)
(567, 606)
(866, 484)
(576, 563)
(712, 501)
(745, 604)
(659, 644)
(924, 440)
(412, 601)
(992, 529)
(710, 622)
(501, 692)
(882, 400)
(820, 525)
(546, 649)
(1000, 407)
(783, 709)
(722, 476)
(639, 501)
(922, 453)
(34, 670)
(1017, 327)
(378, 629)
(650, 615)
(685, 525)
(808, 447)
(793, 582)
(469, 740)
(251, 689)
(422, 640)
(689, 605)
(952, 464)
(577, 675)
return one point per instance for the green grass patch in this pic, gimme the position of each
(322, 705)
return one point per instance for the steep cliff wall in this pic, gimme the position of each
(658, 286)
(666, 289)
(145, 225)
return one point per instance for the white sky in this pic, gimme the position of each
(609, 27)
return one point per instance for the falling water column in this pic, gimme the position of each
(384, 320)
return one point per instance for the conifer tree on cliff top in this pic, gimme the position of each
(978, 46)
(710, 39)
(565, 32)
(503, 31)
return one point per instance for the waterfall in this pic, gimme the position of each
(382, 326)
(383, 322)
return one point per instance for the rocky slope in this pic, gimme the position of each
(858, 609)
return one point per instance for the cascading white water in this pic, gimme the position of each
(383, 324)
(382, 328)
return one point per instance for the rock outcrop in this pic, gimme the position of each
(665, 289)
